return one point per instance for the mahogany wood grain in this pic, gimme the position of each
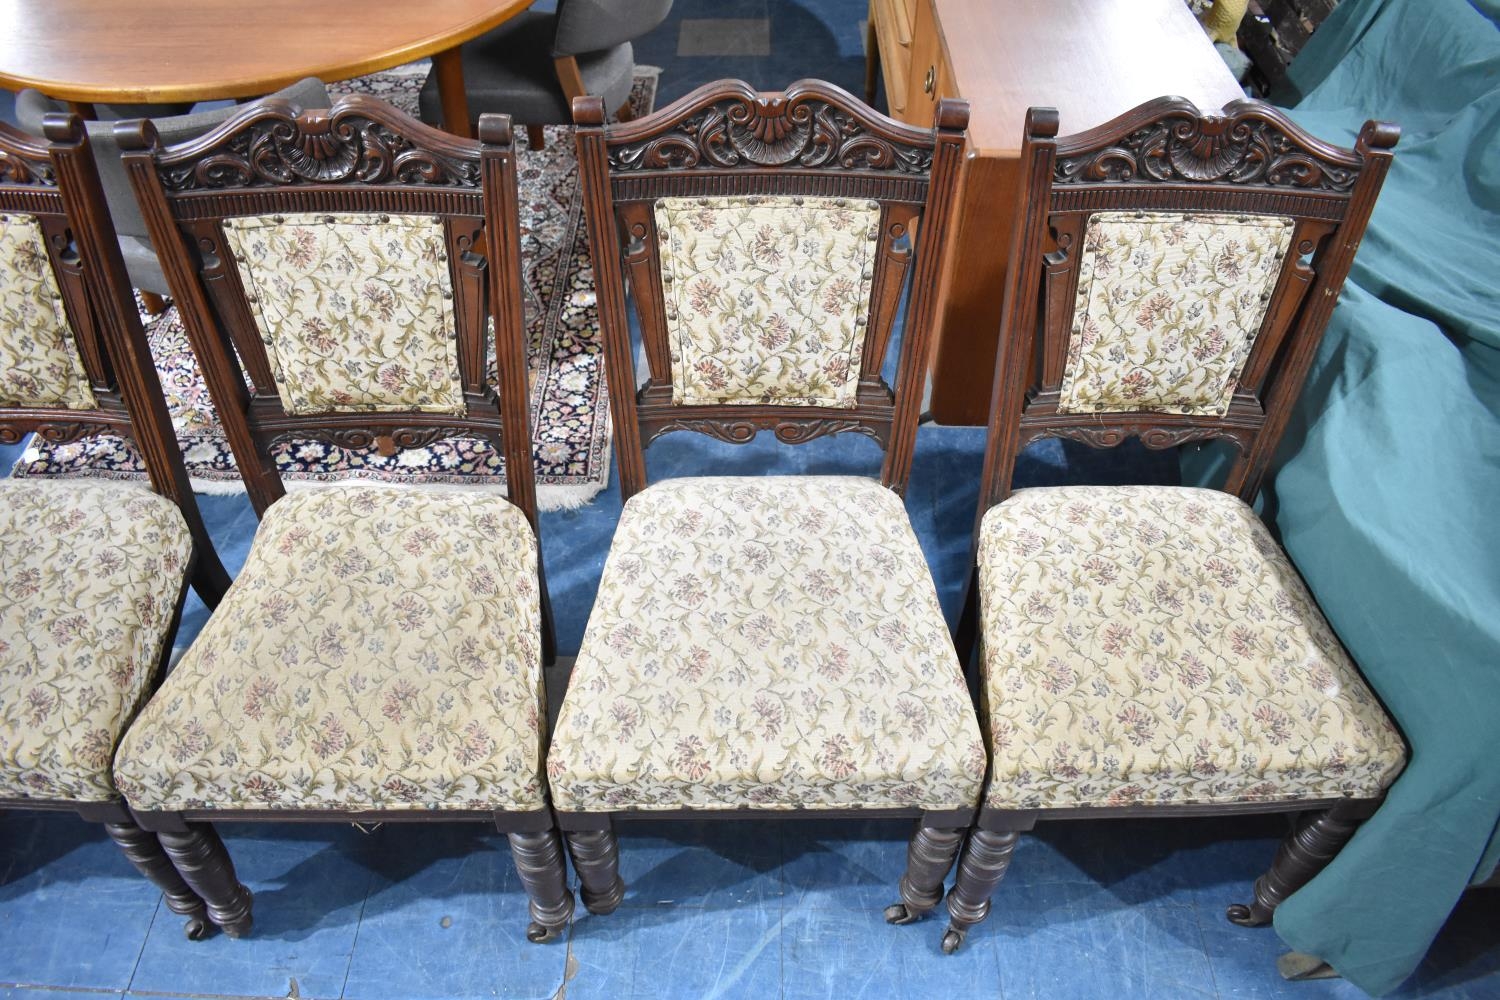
(1090, 59)
(162, 51)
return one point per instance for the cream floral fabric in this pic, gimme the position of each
(767, 643)
(356, 311)
(379, 650)
(39, 362)
(1168, 308)
(91, 578)
(1154, 645)
(767, 298)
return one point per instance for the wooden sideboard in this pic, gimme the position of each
(1090, 59)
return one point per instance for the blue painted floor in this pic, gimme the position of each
(753, 909)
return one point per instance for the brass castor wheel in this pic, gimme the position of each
(197, 927)
(540, 933)
(1247, 915)
(898, 915)
(952, 939)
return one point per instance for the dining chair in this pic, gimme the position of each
(1150, 650)
(766, 646)
(174, 126)
(379, 657)
(536, 63)
(95, 572)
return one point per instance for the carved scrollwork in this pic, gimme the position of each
(357, 140)
(19, 170)
(63, 431)
(1249, 147)
(744, 431)
(366, 437)
(1155, 438)
(803, 130)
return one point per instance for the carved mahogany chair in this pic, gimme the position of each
(1150, 650)
(94, 573)
(174, 125)
(379, 657)
(536, 63)
(773, 645)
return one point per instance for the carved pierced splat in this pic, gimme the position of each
(1251, 146)
(799, 129)
(358, 140)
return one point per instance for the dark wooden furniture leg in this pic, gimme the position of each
(536, 137)
(1306, 851)
(450, 80)
(928, 858)
(980, 869)
(596, 858)
(200, 857)
(143, 850)
(872, 56)
(155, 304)
(539, 862)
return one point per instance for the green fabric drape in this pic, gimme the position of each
(1385, 495)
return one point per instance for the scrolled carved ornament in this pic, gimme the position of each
(801, 131)
(1183, 147)
(277, 148)
(20, 170)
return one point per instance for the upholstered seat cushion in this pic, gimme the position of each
(768, 643)
(1154, 645)
(91, 576)
(379, 650)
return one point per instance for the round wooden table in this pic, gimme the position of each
(165, 51)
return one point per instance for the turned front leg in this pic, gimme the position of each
(980, 869)
(596, 857)
(200, 857)
(143, 850)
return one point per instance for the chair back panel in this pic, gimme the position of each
(355, 311)
(40, 363)
(767, 239)
(767, 299)
(347, 263)
(1171, 274)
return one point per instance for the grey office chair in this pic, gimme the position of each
(532, 66)
(140, 258)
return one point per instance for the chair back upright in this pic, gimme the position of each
(768, 239)
(1171, 275)
(74, 360)
(338, 271)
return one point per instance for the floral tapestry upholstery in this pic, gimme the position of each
(1168, 308)
(379, 650)
(1148, 644)
(39, 361)
(355, 310)
(767, 298)
(766, 643)
(91, 578)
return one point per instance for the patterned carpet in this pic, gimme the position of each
(569, 406)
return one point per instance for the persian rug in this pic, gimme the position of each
(569, 404)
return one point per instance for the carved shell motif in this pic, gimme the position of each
(804, 132)
(320, 150)
(1181, 147)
